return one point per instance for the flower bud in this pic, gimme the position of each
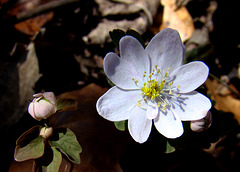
(43, 105)
(46, 132)
(202, 124)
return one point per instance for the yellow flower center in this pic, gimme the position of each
(153, 88)
(156, 88)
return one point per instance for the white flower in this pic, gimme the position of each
(43, 105)
(152, 85)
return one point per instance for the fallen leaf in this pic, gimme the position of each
(3, 2)
(122, 14)
(178, 19)
(28, 74)
(32, 26)
(225, 101)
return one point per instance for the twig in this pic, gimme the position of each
(43, 9)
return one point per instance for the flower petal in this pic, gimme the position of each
(138, 124)
(51, 98)
(152, 110)
(116, 104)
(133, 52)
(166, 49)
(120, 72)
(169, 124)
(31, 110)
(190, 76)
(193, 106)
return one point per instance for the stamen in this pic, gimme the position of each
(138, 103)
(170, 84)
(166, 74)
(157, 89)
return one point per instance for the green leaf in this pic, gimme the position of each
(66, 104)
(169, 148)
(136, 35)
(29, 145)
(121, 125)
(56, 162)
(110, 82)
(66, 141)
(199, 53)
(49, 162)
(116, 35)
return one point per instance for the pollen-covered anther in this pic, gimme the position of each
(170, 83)
(138, 103)
(164, 106)
(135, 81)
(166, 74)
(150, 76)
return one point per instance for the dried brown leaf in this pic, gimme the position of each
(224, 100)
(177, 18)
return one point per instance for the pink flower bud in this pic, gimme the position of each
(43, 105)
(46, 132)
(202, 124)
